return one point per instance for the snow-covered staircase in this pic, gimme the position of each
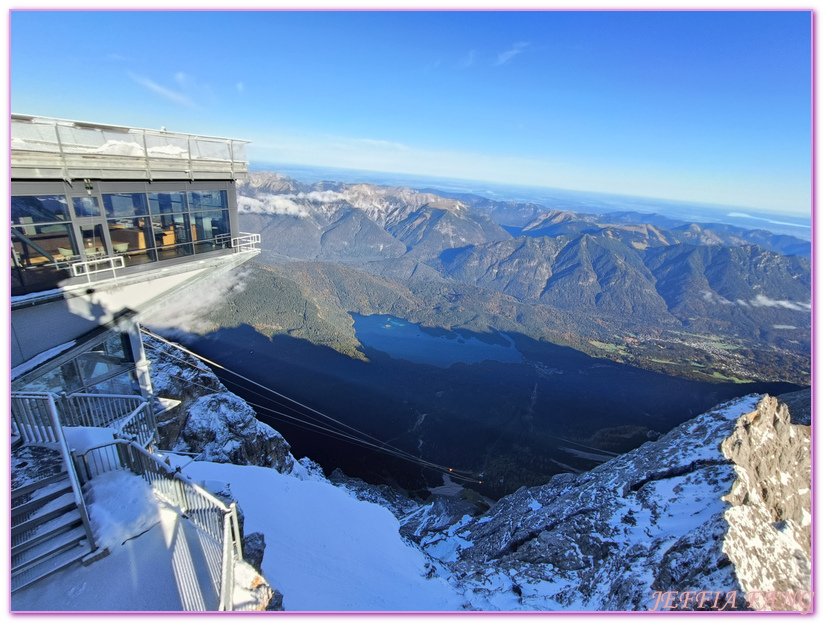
(47, 531)
(49, 521)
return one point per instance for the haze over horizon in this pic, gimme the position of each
(694, 106)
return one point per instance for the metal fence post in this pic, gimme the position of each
(73, 479)
(227, 575)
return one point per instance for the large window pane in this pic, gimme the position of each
(125, 204)
(171, 229)
(211, 231)
(86, 206)
(208, 199)
(93, 242)
(172, 235)
(133, 238)
(40, 209)
(102, 369)
(35, 245)
(102, 362)
(65, 378)
(42, 277)
(131, 234)
(16, 284)
(209, 225)
(170, 253)
(124, 383)
(41, 255)
(119, 347)
(167, 203)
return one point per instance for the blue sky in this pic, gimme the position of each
(699, 106)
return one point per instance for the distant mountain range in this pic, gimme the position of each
(638, 272)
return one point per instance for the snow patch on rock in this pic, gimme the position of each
(224, 429)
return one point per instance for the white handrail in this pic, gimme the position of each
(79, 501)
(148, 432)
(115, 262)
(245, 242)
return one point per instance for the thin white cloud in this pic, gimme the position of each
(764, 301)
(713, 297)
(768, 220)
(271, 204)
(379, 143)
(321, 196)
(173, 96)
(466, 61)
(760, 300)
(505, 57)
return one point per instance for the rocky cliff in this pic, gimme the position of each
(678, 517)
(679, 523)
(210, 422)
(713, 515)
(769, 536)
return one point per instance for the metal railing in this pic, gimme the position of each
(97, 410)
(214, 519)
(220, 240)
(36, 417)
(127, 416)
(106, 264)
(139, 426)
(76, 149)
(245, 242)
(31, 417)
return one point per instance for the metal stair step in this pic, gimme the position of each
(20, 491)
(52, 510)
(44, 532)
(46, 549)
(40, 497)
(49, 566)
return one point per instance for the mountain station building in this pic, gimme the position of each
(108, 224)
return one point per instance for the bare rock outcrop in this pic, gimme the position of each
(769, 522)
(210, 421)
(224, 429)
(177, 375)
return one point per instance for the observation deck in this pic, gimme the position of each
(49, 148)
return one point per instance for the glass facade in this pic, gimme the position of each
(51, 231)
(41, 239)
(42, 209)
(107, 368)
(85, 206)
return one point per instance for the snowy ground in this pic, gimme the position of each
(137, 575)
(327, 551)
